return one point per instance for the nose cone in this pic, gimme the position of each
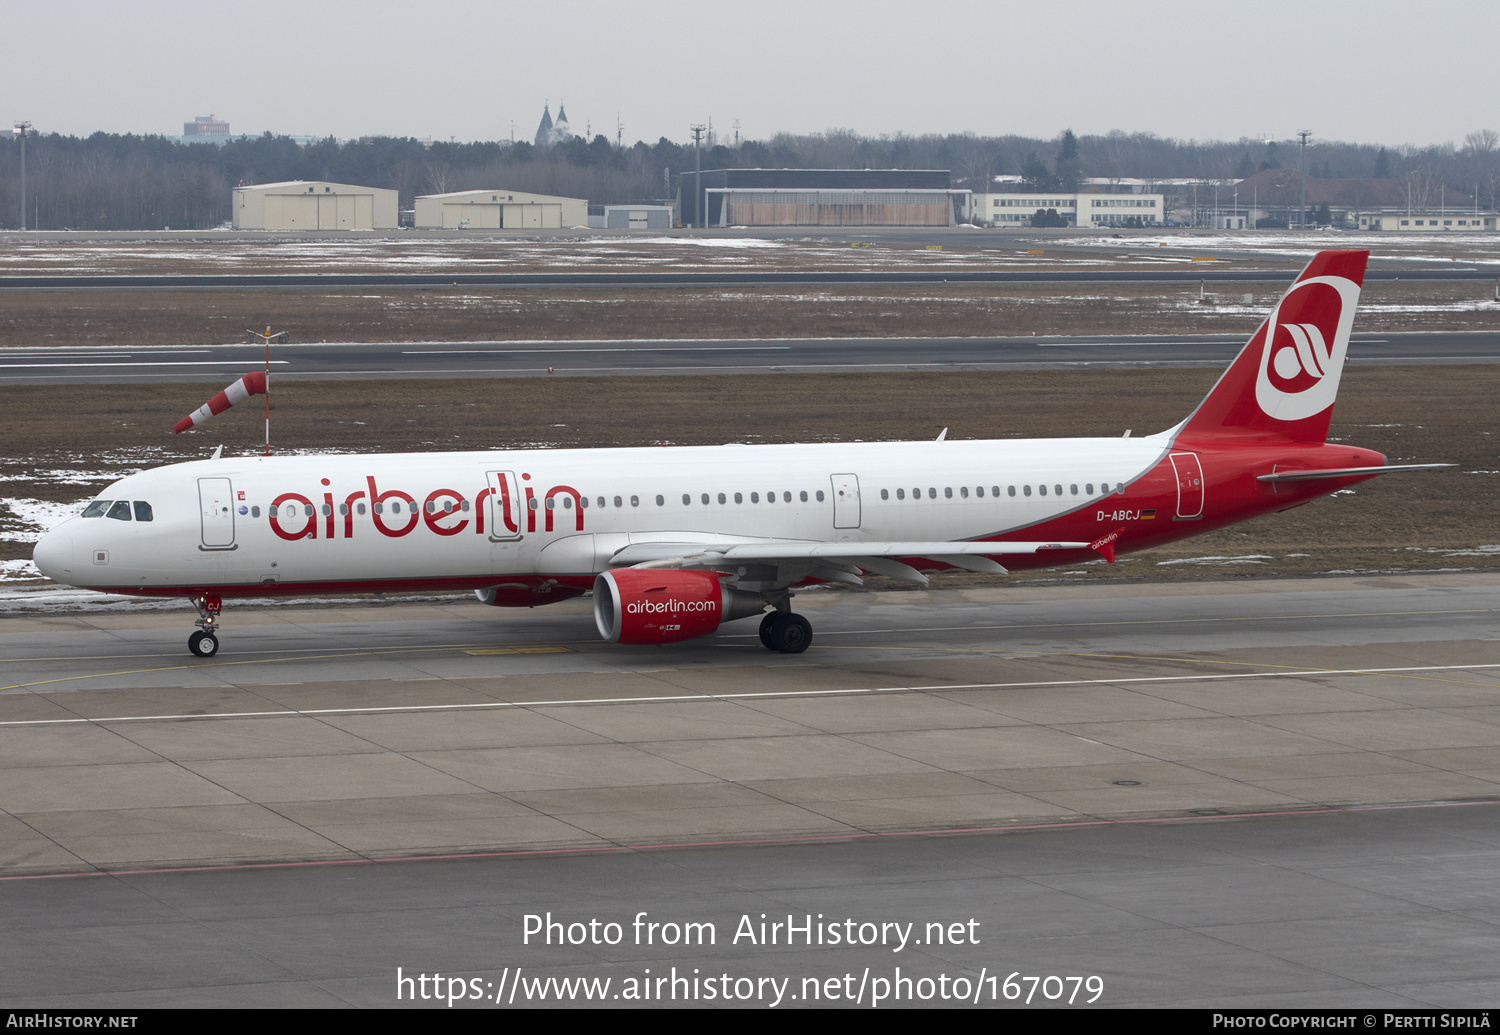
(53, 556)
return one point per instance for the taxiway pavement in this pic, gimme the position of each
(1259, 793)
(343, 361)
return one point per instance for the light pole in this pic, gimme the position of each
(1302, 136)
(21, 128)
(698, 195)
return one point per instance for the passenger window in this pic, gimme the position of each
(464, 506)
(620, 503)
(932, 494)
(1089, 488)
(770, 497)
(885, 494)
(963, 490)
(96, 508)
(723, 499)
(804, 495)
(661, 501)
(272, 511)
(979, 491)
(142, 510)
(1072, 490)
(755, 497)
(739, 498)
(360, 507)
(601, 503)
(948, 492)
(1025, 490)
(327, 510)
(635, 501)
(120, 511)
(820, 495)
(551, 503)
(786, 497)
(1042, 489)
(687, 501)
(1057, 489)
(705, 499)
(307, 509)
(901, 494)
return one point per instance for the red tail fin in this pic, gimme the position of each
(1282, 385)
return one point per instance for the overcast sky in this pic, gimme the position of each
(1373, 71)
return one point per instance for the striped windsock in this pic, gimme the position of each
(253, 383)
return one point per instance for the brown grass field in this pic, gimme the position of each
(196, 317)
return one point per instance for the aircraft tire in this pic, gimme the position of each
(792, 635)
(203, 645)
(768, 629)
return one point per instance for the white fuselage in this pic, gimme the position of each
(484, 516)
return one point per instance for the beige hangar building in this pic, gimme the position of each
(313, 205)
(498, 210)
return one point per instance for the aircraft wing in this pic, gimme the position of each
(832, 562)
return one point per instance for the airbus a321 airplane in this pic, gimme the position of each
(674, 542)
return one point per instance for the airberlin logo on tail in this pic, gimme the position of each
(1306, 338)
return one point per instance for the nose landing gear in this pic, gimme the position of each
(203, 643)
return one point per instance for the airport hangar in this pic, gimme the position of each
(820, 197)
(313, 205)
(498, 210)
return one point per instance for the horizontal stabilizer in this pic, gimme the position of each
(1344, 472)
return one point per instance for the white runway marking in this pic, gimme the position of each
(750, 695)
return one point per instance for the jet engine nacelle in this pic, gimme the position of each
(635, 605)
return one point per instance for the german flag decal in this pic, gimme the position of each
(1147, 515)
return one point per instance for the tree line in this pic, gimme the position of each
(128, 182)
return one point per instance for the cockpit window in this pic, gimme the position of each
(97, 508)
(142, 510)
(120, 511)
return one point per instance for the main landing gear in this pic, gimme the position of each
(785, 632)
(203, 643)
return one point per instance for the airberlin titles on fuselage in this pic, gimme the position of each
(437, 510)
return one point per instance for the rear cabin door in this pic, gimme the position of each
(1189, 486)
(216, 502)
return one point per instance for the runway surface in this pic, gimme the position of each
(99, 364)
(1054, 763)
(737, 278)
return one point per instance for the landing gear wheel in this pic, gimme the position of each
(768, 629)
(203, 644)
(792, 634)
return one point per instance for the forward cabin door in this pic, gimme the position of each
(1189, 486)
(216, 502)
(846, 501)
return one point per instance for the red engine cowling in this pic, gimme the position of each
(634, 605)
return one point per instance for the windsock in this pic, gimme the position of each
(253, 383)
